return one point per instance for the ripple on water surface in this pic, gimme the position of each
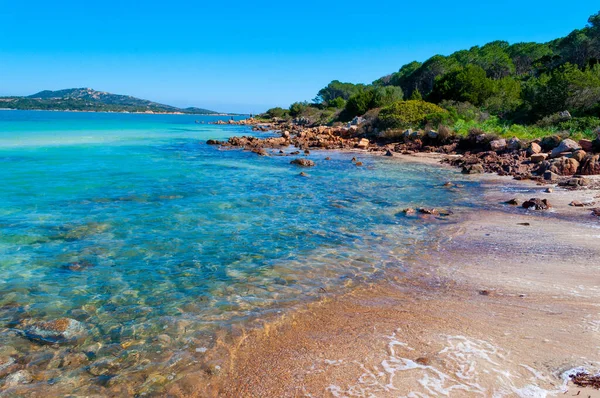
(153, 243)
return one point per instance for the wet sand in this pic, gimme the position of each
(505, 304)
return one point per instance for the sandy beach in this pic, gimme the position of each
(505, 305)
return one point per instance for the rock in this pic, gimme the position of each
(473, 169)
(406, 135)
(327, 158)
(285, 134)
(260, 152)
(303, 162)
(549, 190)
(566, 115)
(356, 121)
(58, 331)
(596, 212)
(358, 163)
(550, 142)
(566, 145)
(513, 202)
(498, 145)
(534, 148)
(579, 155)
(363, 143)
(423, 361)
(303, 174)
(576, 203)
(78, 265)
(590, 165)
(389, 153)
(306, 152)
(586, 145)
(428, 211)
(564, 166)
(538, 157)
(574, 182)
(514, 144)
(432, 134)
(537, 204)
(409, 211)
(213, 142)
(19, 377)
(550, 176)
(7, 365)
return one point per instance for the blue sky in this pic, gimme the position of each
(244, 56)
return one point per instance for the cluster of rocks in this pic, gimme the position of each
(551, 158)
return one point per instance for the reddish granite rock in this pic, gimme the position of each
(590, 165)
(303, 162)
(586, 145)
(564, 166)
(58, 331)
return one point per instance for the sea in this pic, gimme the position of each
(155, 242)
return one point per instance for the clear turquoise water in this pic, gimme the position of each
(177, 238)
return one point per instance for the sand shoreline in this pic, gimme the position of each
(504, 304)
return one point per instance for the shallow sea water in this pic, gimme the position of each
(154, 240)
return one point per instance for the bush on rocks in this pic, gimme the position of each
(403, 114)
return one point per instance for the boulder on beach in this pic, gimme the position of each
(534, 148)
(590, 165)
(303, 162)
(363, 143)
(473, 169)
(566, 145)
(498, 145)
(564, 166)
(536, 204)
(538, 157)
(58, 331)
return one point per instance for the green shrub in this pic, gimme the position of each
(297, 108)
(580, 124)
(277, 113)
(403, 114)
(337, 103)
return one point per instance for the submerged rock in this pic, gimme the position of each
(58, 331)
(20, 377)
(303, 162)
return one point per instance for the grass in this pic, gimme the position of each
(526, 133)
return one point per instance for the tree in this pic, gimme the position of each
(337, 89)
(469, 84)
(416, 95)
(297, 108)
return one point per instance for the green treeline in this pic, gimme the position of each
(497, 85)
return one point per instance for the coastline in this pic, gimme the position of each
(123, 112)
(470, 291)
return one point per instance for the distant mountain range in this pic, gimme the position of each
(87, 99)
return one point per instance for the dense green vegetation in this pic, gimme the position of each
(525, 89)
(85, 99)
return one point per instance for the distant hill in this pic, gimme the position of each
(87, 99)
